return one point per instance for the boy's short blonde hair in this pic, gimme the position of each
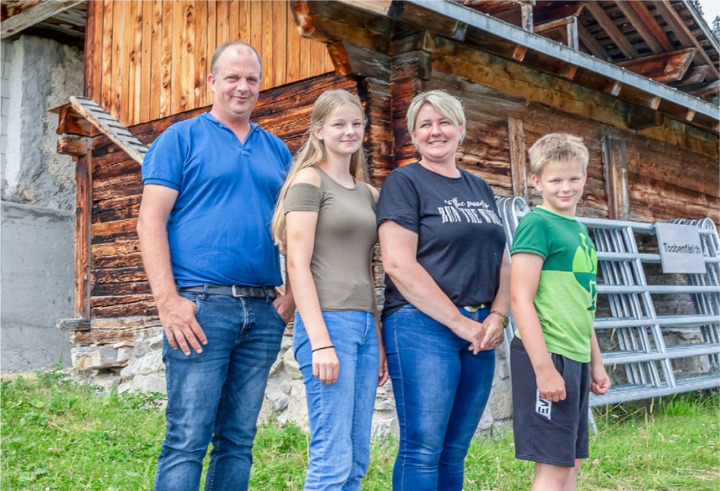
(444, 103)
(557, 147)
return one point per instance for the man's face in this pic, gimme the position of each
(236, 82)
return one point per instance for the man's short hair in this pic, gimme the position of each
(557, 147)
(222, 47)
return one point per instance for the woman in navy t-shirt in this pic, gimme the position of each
(447, 296)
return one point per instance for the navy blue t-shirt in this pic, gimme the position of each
(219, 227)
(460, 235)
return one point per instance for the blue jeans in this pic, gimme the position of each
(441, 390)
(217, 394)
(340, 414)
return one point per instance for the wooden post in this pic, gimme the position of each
(616, 178)
(83, 208)
(518, 162)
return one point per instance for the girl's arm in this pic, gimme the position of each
(300, 227)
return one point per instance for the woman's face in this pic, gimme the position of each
(343, 131)
(435, 135)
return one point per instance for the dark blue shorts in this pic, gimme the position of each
(554, 433)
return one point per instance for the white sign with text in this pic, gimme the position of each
(680, 248)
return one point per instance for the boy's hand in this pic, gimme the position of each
(550, 384)
(600, 380)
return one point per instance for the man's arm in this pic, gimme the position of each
(524, 279)
(177, 314)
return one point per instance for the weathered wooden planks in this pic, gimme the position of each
(150, 59)
(117, 282)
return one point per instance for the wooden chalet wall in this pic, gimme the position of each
(149, 59)
(119, 290)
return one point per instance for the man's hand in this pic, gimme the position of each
(285, 306)
(550, 384)
(182, 330)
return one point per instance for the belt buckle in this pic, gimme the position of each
(473, 308)
(233, 290)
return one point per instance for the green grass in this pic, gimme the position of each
(61, 435)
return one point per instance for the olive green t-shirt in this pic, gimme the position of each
(344, 239)
(566, 297)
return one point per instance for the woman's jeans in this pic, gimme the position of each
(441, 390)
(340, 414)
(217, 394)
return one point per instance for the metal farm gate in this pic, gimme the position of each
(659, 334)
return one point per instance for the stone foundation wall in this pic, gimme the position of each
(139, 366)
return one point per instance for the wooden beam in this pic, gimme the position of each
(520, 81)
(616, 177)
(640, 26)
(518, 161)
(68, 325)
(713, 88)
(550, 11)
(611, 29)
(591, 44)
(361, 62)
(565, 30)
(650, 23)
(418, 41)
(83, 214)
(665, 67)
(695, 76)
(70, 122)
(319, 21)
(33, 15)
(74, 145)
(641, 118)
(614, 88)
(682, 32)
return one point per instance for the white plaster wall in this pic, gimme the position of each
(40, 73)
(38, 195)
(4, 101)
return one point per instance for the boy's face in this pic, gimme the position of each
(561, 184)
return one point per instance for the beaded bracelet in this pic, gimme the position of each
(324, 347)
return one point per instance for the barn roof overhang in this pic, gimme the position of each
(385, 21)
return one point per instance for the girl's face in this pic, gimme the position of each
(343, 131)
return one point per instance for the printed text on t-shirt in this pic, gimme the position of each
(456, 211)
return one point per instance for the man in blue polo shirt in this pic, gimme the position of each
(210, 187)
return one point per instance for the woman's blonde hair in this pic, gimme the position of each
(312, 153)
(444, 103)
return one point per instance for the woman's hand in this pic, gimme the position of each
(383, 373)
(494, 332)
(326, 365)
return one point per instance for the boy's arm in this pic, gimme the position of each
(524, 279)
(600, 380)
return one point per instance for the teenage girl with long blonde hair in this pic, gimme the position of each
(325, 223)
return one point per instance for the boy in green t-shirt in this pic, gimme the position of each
(555, 357)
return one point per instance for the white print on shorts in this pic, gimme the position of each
(542, 406)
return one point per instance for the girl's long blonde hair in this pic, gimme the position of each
(312, 153)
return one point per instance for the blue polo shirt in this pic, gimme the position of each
(219, 227)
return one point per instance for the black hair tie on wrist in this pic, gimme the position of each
(324, 347)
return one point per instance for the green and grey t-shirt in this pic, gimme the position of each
(567, 293)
